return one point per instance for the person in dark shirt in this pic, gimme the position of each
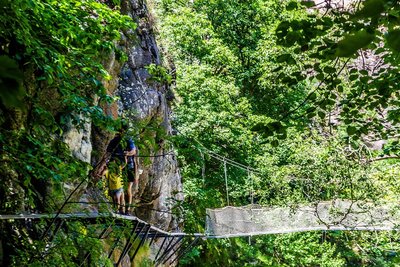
(115, 149)
(126, 155)
(132, 162)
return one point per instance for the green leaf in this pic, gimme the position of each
(11, 90)
(313, 96)
(393, 39)
(329, 69)
(351, 130)
(311, 115)
(282, 28)
(275, 126)
(308, 3)
(285, 58)
(351, 43)
(292, 37)
(371, 8)
(320, 76)
(275, 143)
(259, 127)
(291, 6)
(353, 77)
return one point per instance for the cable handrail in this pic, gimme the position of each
(95, 215)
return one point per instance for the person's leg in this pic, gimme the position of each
(136, 184)
(122, 202)
(115, 200)
(130, 184)
(130, 196)
(118, 200)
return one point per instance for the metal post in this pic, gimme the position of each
(153, 238)
(141, 241)
(115, 244)
(59, 223)
(251, 197)
(226, 182)
(194, 242)
(169, 248)
(100, 237)
(58, 226)
(173, 252)
(129, 241)
(162, 245)
(249, 174)
(60, 209)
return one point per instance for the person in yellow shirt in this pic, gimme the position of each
(113, 175)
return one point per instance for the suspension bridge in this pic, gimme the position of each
(227, 222)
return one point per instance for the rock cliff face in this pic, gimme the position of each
(144, 103)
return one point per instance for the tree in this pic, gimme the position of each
(52, 77)
(259, 84)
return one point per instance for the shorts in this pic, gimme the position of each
(116, 191)
(131, 174)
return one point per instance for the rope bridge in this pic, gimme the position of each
(338, 214)
(171, 249)
(323, 216)
(229, 221)
(232, 222)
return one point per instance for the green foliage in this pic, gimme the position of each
(11, 90)
(159, 74)
(39, 162)
(66, 249)
(348, 85)
(393, 40)
(67, 44)
(52, 69)
(351, 43)
(277, 87)
(62, 63)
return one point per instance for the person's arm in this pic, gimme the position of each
(136, 161)
(131, 152)
(98, 171)
(123, 165)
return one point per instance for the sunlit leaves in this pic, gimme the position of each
(292, 5)
(336, 54)
(351, 43)
(67, 40)
(159, 74)
(56, 49)
(241, 102)
(285, 58)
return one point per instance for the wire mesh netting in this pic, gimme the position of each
(329, 215)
